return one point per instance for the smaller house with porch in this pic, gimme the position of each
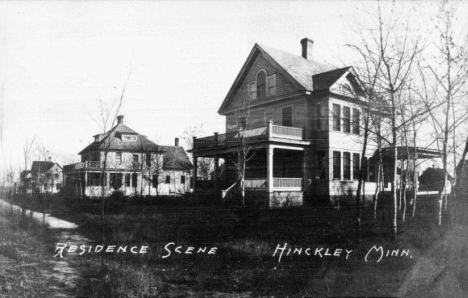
(45, 177)
(126, 161)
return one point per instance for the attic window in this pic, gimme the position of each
(128, 138)
(271, 85)
(263, 86)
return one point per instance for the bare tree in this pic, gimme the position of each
(28, 150)
(448, 68)
(393, 51)
(205, 165)
(108, 112)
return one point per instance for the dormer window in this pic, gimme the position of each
(129, 138)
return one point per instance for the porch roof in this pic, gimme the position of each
(402, 153)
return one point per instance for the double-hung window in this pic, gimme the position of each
(336, 165)
(347, 119)
(356, 121)
(336, 117)
(346, 166)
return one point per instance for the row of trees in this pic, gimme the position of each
(415, 91)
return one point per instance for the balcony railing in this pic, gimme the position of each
(262, 133)
(288, 132)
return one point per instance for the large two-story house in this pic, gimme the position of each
(131, 163)
(299, 121)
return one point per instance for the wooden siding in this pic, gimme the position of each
(283, 86)
(256, 116)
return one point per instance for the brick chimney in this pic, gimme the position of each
(177, 142)
(307, 45)
(120, 119)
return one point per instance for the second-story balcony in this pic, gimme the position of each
(269, 132)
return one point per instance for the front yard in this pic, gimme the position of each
(246, 259)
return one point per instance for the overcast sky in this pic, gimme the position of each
(58, 58)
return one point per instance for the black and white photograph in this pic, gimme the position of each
(234, 148)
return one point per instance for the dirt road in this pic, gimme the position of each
(443, 270)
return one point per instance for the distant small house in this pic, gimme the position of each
(46, 176)
(133, 165)
(432, 179)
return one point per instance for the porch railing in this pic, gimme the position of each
(287, 182)
(255, 183)
(96, 165)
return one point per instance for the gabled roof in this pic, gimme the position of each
(304, 74)
(175, 158)
(296, 66)
(116, 143)
(42, 166)
(324, 80)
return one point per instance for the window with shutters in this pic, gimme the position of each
(263, 86)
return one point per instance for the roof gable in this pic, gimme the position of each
(42, 166)
(175, 158)
(303, 74)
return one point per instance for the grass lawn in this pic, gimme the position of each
(245, 242)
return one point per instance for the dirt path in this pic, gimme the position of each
(27, 264)
(443, 270)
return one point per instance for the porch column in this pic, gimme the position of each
(86, 179)
(270, 168)
(215, 176)
(270, 129)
